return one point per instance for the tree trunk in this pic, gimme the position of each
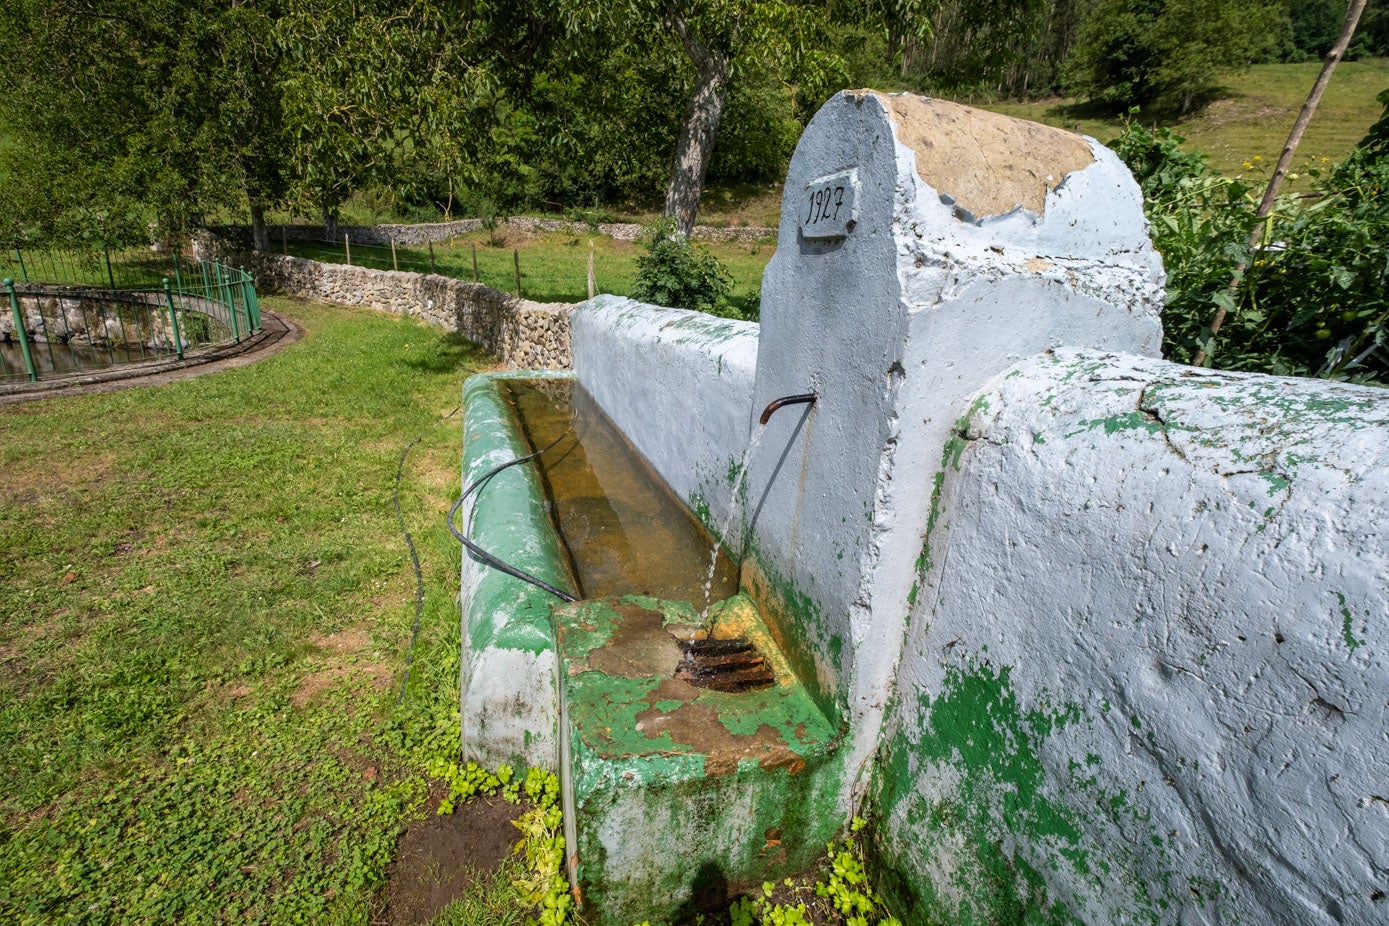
(330, 222)
(695, 147)
(260, 235)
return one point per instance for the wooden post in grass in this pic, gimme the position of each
(592, 288)
(475, 277)
(284, 240)
(394, 264)
(516, 259)
(431, 256)
(347, 248)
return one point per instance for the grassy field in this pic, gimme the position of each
(554, 266)
(206, 614)
(1253, 118)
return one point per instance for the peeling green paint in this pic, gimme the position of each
(951, 455)
(973, 851)
(674, 783)
(1347, 630)
(1116, 424)
(510, 521)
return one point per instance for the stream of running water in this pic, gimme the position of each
(735, 508)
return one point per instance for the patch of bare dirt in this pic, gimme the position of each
(442, 857)
(351, 640)
(346, 657)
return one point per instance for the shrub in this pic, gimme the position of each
(673, 273)
(1310, 298)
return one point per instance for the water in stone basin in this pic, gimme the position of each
(57, 357)
(624, 531)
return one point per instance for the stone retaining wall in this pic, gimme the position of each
(523, 334)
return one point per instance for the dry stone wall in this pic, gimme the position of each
(523, 334)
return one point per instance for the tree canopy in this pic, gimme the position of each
(119, 116)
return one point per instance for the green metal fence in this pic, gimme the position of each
(71, 312)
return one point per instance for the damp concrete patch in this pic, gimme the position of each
(683, 797)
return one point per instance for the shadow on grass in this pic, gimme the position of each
(1074, 112)
(451, 352)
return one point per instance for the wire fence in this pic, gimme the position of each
(506, 269)
(74, 311)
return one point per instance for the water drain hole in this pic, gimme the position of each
(724, 665)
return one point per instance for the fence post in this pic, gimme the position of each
(255, 302)
(475, 277)
(248, 296)
(284, 240)
(516, 259)
(394, 264)
(106, 249)
(23, 271)
(173, 318)
(224, 285)
(21, 333)
(592, 288)
(431, 256)
(347, 247)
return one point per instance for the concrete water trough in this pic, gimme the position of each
(951, 614)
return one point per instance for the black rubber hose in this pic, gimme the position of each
(482, 554)
(414, 558)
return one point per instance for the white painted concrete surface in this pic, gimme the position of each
(678, 384)
(1149, 682)
(895, 325)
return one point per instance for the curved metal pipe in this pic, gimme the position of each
(806, 399)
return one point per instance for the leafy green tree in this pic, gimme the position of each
(135, 112)
(719, 39)
(1168, 54)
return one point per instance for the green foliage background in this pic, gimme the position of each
(1310, 298)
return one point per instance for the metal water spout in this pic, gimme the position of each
(772, 406)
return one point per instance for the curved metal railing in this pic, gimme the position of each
(51, 329)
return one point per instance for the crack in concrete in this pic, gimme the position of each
(1154, 415)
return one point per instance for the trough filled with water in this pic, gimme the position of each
(694, 763)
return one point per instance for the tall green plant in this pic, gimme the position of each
(673, 273)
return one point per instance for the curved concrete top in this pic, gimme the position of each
(988, 163)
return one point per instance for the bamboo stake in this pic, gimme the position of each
(1285, 160)
(347, 247)
(592, 289)
(394, 264)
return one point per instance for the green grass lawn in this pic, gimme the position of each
(554, 266)
(206, 613)
(1254, 117)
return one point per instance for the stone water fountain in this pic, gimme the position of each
(924, 247)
